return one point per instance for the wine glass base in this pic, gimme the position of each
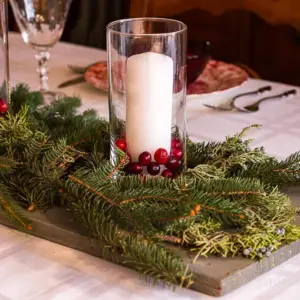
(50, 96)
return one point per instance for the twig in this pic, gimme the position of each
(286, 171)
(78, 181)
(117, 168)
(164, 198)
(5, 166)
(170, 239)
(237, 193)
(6, 206)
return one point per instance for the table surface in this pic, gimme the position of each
(31, 268)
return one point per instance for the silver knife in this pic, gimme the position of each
(73, 81)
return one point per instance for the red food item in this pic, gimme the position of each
(145, 158)
(121, 144)
(167, 173)
(176, 152)
(97, 75)
(3, 106)
(176, 143)
(161, 156)
(173, 163)
(134, 168)
(217, 76)
(153, 168)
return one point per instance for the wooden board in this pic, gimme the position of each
(214, 276)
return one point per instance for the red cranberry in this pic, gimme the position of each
(176, 143)
(161, 156)
(173, 163)
(3, 106)
(153, 168)
(176, 152)
(134, 168)
(167, 173)
(121, 144)
(145, 158)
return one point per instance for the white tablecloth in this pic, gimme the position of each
(35, 269)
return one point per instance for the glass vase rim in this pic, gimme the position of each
(175, 32)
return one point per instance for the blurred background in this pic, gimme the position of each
(261, 35)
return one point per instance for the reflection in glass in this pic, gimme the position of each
(41, 23)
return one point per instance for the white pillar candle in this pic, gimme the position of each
(149, 92)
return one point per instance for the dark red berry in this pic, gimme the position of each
(3, 106)
(161, 156)
(145, 158)
(134, 168)
(176, 143)
(153, 168)
(173, 163)
(121, 144)
(176, 152)
(167, 173)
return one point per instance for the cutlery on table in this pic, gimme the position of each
(73, 81)
(77, 69)
(255, 106)
(229, 105)
(80, 79)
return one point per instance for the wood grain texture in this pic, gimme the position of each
(273, 11)
(214, 275)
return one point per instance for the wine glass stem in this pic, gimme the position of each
(43, 58)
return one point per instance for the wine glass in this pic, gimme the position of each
(41, 23)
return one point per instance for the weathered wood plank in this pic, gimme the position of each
(214, 275)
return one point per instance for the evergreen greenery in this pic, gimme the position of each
(227, 203)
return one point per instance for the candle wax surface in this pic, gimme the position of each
(149, 96)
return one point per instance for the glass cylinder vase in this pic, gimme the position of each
(4, 58)
(147, 94)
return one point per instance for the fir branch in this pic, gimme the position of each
(53, 155)
(151, 260)
(148, 197)
(13, 211)
(99, 194)
(15, 130)
(155, 262)
(7, 165)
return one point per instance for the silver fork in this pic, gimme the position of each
(254, 107)
(229, 105)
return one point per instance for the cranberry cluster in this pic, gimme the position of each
(172, 161)
(3, 106)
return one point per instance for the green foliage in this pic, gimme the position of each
(226, 202)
